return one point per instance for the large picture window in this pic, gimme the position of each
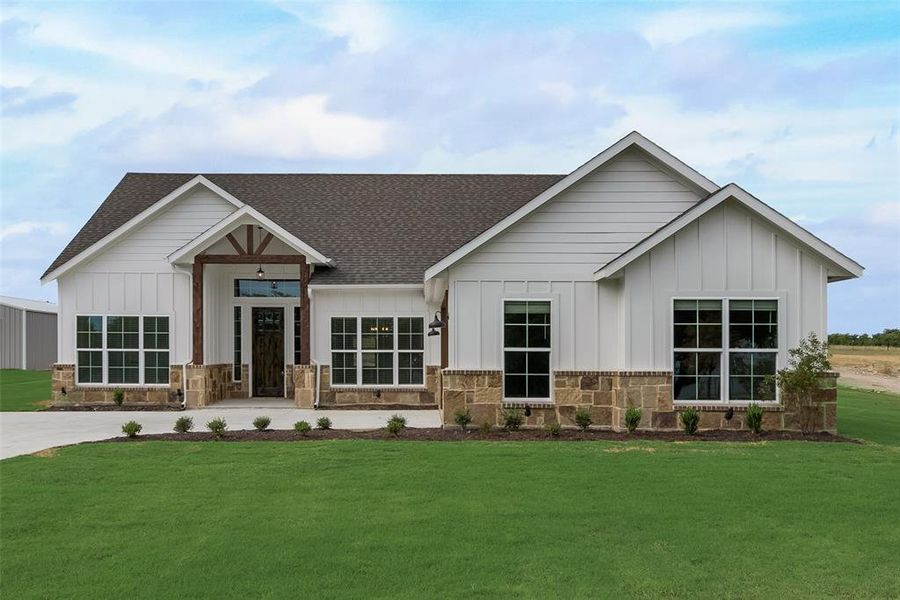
(266, 288)
(377, 351)
(730, 340)
(119, 349)
(526, 349)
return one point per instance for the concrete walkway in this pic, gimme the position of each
(27, 432)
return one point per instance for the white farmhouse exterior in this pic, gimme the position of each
(633, 281)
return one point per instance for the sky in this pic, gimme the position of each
(799, 103)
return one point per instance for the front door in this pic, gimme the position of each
(268, 351)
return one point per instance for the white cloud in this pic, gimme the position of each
(288, 129)
(672, 27)
(561, 91)
(365, 25)
(30, 227)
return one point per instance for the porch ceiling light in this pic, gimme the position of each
(260, 273)
(437, 323)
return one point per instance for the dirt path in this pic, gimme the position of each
(871, 381)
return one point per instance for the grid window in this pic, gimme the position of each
(266, 288)
(123, 367)
(156, 367)
(697, 337)
(411, 343)
(377, 333)
(409, 368)
(343, 333)
(751, 376)
(753, 324)
(89, 344)
(526, 356)
(237, 360)
(156, 338)
(343, 368)
(123, 333)
(377, 368)
(753, 343)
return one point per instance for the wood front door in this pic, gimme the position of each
(268, 351)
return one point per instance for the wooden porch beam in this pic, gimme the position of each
(304, 312)
(197, 357)
(239, 259)
(238, 248)
(264, 243)
(250, 239)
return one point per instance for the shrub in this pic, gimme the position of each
(690, 419)
(396, 424)
(119, 396)
(754, 417)
(485, 427)
(802, 379)
(553, 428)
(633, 418)
(512, 419)
(583, 419)
(302, 427)
(323, 423)
(184, 424)
(217, 426)
(261, 423)
(131, 428)
(462, 418)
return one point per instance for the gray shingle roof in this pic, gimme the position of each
(377, 228)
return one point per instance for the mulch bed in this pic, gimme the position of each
(455, 435)
(113, 407)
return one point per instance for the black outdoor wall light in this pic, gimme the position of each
(436, 324)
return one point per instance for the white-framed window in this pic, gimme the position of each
(724, 349)
(377, 351)
(526, 349)
(122, 349)
(237, 360)
(89, 348)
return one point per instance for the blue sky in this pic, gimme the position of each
(797, 102)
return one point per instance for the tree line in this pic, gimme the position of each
(888, 337)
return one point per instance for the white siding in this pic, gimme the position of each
(727, 252)
(596, 220)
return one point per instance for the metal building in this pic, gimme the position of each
(27, 333)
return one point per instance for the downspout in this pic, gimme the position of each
(312, 321)
(318, 383)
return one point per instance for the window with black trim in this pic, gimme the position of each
(526, 349)
(89, 348)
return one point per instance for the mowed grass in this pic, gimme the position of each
(24, 390)
(394, 519)
(868, 415)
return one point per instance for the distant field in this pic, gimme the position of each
(872, 367)
(24, 390)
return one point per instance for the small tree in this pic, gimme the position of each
(801, 381)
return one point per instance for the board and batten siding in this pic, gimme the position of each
(133, 277)
(726, 252)
(553, 253)
(12, 335)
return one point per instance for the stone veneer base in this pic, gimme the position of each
(607, 395)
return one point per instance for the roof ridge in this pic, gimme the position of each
(263, 174)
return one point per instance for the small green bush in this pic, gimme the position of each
(217, 426)
(553, 428)
(131, 428)
(396, 424)
(323, 423)
(690, 419)
(583, 419)
(754, 417)
(633, 418)
(462, 418)
(485, 427)
(119, 396)
(184, 424)
(512, 419)
(261, 423)
(302, 427)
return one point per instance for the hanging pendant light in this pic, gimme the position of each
(260, 273)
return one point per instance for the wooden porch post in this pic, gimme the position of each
(304, 311)
(445, 334)
(197, 358)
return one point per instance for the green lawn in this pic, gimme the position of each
(23, 390)
(868, 415)
(418, 519)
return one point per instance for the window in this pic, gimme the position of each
(343, 363)
(697, 337)
(297, 342)
(700, 335)
(411, 345)
(752, 349)
(266, 288)
(89, 348)
(236, 356)
(123, 350)
(156, 350)
(526, 349)
(377, 350)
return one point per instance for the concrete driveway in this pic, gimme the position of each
(27, 432)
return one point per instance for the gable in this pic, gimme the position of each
(146, 247)
(601, 216)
